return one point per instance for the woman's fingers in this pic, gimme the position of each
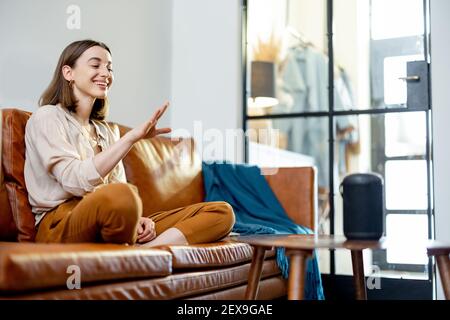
(157, 115)
(154, 118)
(162, 131)
(163, 109)
(149, 231)
(159, 112)
(144, 236)
(148, 129)
(146, 226)
(148, 238)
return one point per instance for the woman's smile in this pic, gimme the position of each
(101, 84)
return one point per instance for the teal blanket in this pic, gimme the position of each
(257, 211)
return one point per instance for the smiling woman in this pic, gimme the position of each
(74, 173)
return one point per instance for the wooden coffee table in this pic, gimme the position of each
(299, 248)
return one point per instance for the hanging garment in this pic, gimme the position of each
(305, 78)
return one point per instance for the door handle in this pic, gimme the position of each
(410, 78)
(416, 81)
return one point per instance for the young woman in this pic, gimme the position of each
(74, 173)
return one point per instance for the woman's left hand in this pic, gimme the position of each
(146, 230)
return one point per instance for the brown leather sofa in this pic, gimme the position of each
(168, 175)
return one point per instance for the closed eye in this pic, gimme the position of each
(97, 66)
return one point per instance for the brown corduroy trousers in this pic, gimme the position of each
(111, 214)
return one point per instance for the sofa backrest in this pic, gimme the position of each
(296, 190)
(167, 172)
(17, 220)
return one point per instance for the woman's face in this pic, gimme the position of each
(92, 74)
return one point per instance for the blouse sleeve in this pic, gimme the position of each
(118, 173)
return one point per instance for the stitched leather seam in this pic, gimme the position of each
(15, 213)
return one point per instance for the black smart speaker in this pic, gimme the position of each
(363, 196)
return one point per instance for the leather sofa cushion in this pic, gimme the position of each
(166, 172)
(211, 255)
(175, 286)
(13, 162)
(268, 289)
(26, 266)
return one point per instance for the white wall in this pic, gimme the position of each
(440, 70)
(195, 62)
(206, 70)
(138, 32)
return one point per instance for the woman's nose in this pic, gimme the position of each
(105, 72)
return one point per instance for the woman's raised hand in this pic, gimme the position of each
(148, 129)
(106, 160)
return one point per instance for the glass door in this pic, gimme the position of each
(350, 94)
(385, 58)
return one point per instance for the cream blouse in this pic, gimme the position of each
(59, 158)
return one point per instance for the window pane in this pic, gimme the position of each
(387, 23)
(368, 67)
(364, 144)
(292, 43)
(290, 142)
(406, 185)
(405, 134)
(408, 234)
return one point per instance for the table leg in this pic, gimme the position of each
(297, 273)
(443, 263)
(255, 272)
(358, 275)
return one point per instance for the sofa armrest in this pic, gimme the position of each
(37, 266)
(296, 189)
